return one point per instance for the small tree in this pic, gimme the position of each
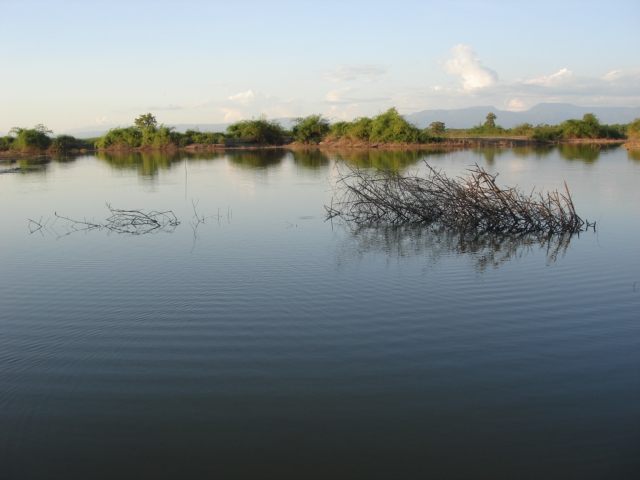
(145, 121)
(437, 128)
(633, 129)
(310, 129)
(258, 130)
(491, 120)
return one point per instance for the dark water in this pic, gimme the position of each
(264, 342)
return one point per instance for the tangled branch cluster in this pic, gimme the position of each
(133, 222)
(474, 202)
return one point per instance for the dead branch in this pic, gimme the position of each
(474, 202)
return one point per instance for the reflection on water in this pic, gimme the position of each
(385, 159)
(259, 158)
(435, 243)
(587, 153)
(634, 154)
(310, 158)
(263, 343)
(150, 163)
(490, 154)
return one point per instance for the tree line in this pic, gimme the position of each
(387, 127)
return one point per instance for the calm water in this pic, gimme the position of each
(266, 343)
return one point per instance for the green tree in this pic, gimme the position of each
(437, 128)
(26, 138)
(390, 126)
(258, 130)
(491, 120)
(310, 129)
(633, 129)
(145, 121)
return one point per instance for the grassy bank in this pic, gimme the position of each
(388, 130)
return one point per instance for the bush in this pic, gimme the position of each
(522, 129)
(34, 138)
(64, 143)
(257, 131)
(392, 127)
(588, 127)
(5, 143)
(207, 138)
(340, 129)
(360, 129)
(126, 137)
(545, 133)
(311, 129)
(633, 129)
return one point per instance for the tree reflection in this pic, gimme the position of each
(585, 152)
(393, 160)
(310, 158)
(258, 158)
(151, 162)
(485, 250)
(634, 154)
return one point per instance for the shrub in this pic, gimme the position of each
(126, 137)
(588, 127)
(545, 133)
(257, 131)
(360, 129)
(633, 129)
(64, 143)
(522, 129)
(30, 138)
(392, 127)
(5, 142)
(310, 129)
(340, 129)
(437, 128)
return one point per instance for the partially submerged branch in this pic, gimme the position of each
(474, 202)
(133, 222)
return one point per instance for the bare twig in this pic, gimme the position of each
(474, 202)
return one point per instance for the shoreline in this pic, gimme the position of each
(448, 143)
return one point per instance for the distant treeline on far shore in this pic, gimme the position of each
(389, 127)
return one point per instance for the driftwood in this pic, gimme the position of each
(133, 222)
(474, 202)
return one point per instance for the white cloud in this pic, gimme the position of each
(336, 96)
(353, 71)
(243, 98)
(232, 115)
(563, 77)
(468, 67)
(516, 105)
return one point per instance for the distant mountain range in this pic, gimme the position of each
(550, 113)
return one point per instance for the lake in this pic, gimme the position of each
(256, 340)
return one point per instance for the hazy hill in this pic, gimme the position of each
(551, 113)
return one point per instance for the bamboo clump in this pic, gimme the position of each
(474, 202)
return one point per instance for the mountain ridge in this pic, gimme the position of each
(550, 113)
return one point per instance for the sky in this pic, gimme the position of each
(75, 64)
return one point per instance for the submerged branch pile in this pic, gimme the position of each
(474, 202)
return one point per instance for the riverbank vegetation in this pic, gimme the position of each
(387, 128)
(38, 139)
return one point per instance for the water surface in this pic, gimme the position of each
(257, 340)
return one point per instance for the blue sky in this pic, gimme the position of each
(71, 64)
